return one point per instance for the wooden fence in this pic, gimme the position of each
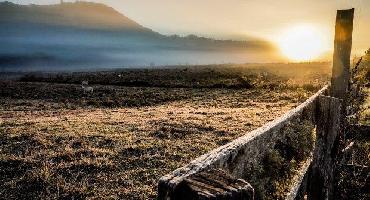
(223, 173)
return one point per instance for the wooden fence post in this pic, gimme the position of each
(321, 182)
(331, 111)
(342, 53)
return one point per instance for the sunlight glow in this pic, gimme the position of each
(302, 43)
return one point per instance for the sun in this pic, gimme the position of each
(301, 43)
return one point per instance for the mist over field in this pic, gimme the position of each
(82, 36)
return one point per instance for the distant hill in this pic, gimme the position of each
(93, 35)
(79, 14)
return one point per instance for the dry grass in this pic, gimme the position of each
(365, 115)
(353, 173)
(62, 147)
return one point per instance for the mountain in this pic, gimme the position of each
(85, 35)
(79, 14)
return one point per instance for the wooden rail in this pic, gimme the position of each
(243, 154)
(237, 159)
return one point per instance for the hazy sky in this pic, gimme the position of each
(240, 18)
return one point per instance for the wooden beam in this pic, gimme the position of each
(214, 184)
(241, 154)
(299, 189)
(342, 53)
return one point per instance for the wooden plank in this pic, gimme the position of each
(321, 184)
(214, 184)
(241, 154)
(342, 53)
(300, 181)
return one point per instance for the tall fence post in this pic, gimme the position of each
(342, 53)
(332, 111)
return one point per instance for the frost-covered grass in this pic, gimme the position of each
(55, 143)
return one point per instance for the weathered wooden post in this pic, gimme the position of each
(331, 112)
(342, 53)
(327, 132)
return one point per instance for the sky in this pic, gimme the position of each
(241, 19)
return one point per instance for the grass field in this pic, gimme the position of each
(58, 142)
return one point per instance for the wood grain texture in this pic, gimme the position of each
(328, 129)
(214, 184)
(342, 53)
